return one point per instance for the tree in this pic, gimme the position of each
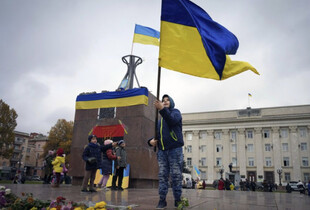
(60, 136)
(7, 125)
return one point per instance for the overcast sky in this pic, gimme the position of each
(50, 51)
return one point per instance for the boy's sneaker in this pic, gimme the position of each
(161, 204)
(92, 190)
(120, 188)
(113, 188)
(84, 190)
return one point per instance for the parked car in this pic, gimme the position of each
(36, 178)
(293, 185)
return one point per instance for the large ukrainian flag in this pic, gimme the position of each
(192, 43)
(129, 97)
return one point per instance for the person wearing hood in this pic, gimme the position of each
(92, 157)
(169, 140)
(58, 164)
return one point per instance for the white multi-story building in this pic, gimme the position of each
(258, 143)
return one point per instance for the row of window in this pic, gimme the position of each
(268, 163)
(249, 134)
(250, 147)
(287, 177)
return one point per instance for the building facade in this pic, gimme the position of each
(26, 156)
(260, 144)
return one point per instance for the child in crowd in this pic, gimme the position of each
(107, 159)
(120, 165)
(58, 164)
(92, 157)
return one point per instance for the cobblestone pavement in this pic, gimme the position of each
(148, 198)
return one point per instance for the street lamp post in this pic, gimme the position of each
(279, 171)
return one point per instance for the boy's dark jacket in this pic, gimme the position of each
(169, 128)
(94, 150)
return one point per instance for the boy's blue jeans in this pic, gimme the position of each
(170, 162)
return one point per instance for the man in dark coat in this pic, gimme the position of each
(92, 157)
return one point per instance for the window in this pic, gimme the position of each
(250, 147)
(249, 134)
(218, 161)
(16, 147)
(302, 132)
(285, 147)
(234, 147)
(189, 162)
(202, 135)
(23, 148)
(286, 161)
(28, 150)
(305, 161)
(203, 161)
(251, 161)
(283, 133)
(189, 136)
(218, 135)
(303, 146)
(267, 147)
(203, 148)
(266, 134)
(233, 135)
(306, 177)
(203, 175)
(39, 146)
(218, 148)
(287, 177)
(234, 161)
(189, 148)
(268, 161)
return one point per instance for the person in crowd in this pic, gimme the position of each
(169, 140)
(241, 185)
(92, 156)
(309, 188)
(288, 188)
(204, 184)
(265, 185)
(247, 185)
(189, 183)
(301, 187)
(107, 159)
(58, 164)
(227, 184)
(221, 184)
(270, 186)
(48, 167)
(120, 165)
(253, 185)
(231, 186)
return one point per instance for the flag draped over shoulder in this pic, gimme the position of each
(129, 97)
(192, 43)
(146, 35)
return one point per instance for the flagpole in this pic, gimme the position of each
(249, 100)
(132, 41)
(157, 97)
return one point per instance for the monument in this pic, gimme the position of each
(138, 122)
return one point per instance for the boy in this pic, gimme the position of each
(170, 153)
(120, 165)
(92, 157)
